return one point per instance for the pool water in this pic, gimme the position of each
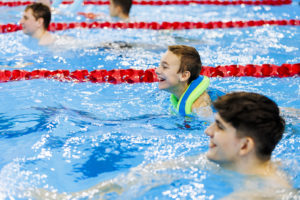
(68, 137)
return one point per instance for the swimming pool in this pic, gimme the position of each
(68, 136)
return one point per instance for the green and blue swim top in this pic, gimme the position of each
(191, 94)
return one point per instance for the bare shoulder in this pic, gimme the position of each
(264, 194)
(272, 186)
(291, 113)
(47, 39)
(202, 106)
(203, 101)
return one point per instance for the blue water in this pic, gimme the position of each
(68, 136)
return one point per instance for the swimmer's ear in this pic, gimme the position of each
(185, 76)
(247, 146)
(119, 9)
(40, 22)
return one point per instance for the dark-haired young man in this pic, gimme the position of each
(35, 22)
(246, 130)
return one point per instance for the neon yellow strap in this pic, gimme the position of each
(192, 97)
(196, 94)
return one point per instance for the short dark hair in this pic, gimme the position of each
(125, 5)
(189, 60)
(255, 116)
(40, 10)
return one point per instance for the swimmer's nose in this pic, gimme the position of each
(209, 130)
(21, 21)
(157, 70)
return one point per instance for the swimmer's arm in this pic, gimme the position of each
(149, 175)
(261, 194)
(202, 106)
(179, 163)
(92, 15)
(253, 195)
(294, 112)
(18, 65)
(98, 190)
(118, 185)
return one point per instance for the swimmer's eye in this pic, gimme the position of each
(219, 125)
(164, 66)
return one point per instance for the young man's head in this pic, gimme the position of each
(245, 123)
(37, 16)
(120, 8)
(179, 65)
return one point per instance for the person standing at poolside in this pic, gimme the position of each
(178, 73)
(35, 22)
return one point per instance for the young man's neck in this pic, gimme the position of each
(123, 16)
(251, 166)
(39, 34)
(44, 37)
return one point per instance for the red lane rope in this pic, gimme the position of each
(6, 28)
(168, 2)
(117, 76)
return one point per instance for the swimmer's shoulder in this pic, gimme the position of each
(202, 101)
(202, 106)
(48, 39)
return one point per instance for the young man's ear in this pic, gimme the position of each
(119, 9)
(185, 76)
(247, 146)
(40, 22)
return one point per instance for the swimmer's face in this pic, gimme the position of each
(113, 9)
(167, 72)
(224, 146)
(29, 24)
